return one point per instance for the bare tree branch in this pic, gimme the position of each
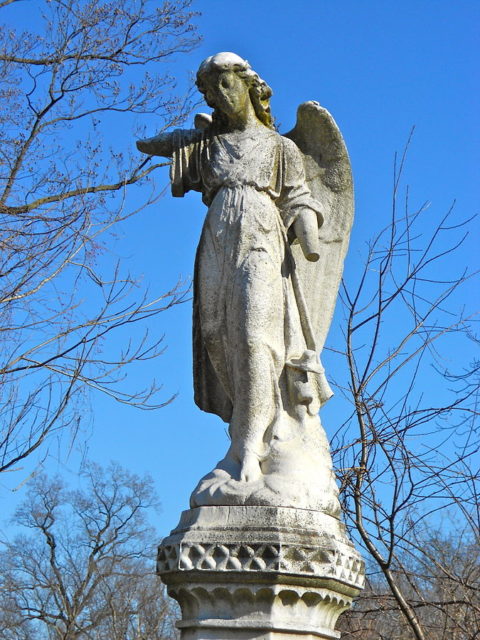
(406, 453)
(83, 70)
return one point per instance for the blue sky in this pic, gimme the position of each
(380, 68)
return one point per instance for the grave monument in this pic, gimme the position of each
(262, 553)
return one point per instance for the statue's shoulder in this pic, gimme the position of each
(286, 142)
(291, 151)
(186, 137)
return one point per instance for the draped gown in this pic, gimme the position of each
(248, 322)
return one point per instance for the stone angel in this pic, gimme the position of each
(267, 272)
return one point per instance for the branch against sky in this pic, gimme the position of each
(80, 70)
(82, 566)
(407, 455)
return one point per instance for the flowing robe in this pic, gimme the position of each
(248, 323)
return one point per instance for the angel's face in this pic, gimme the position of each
(228, 93)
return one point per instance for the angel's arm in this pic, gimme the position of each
(299, 209)
(306, 230)
(160, 145)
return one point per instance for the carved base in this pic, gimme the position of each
(257, 610)
(259, 573)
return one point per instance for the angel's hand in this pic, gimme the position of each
(160, 145)
(306, 230)
(202, 121)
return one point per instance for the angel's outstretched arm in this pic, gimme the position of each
(160, 145)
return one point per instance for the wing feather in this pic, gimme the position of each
(329, 177)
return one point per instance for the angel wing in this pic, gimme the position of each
(329, 177)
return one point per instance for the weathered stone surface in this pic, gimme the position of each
(267, 539)
(262, 554)
(258, 611)
(267, 272)
(280, 483)
(267, 571)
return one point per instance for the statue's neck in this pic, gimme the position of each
(246, 119)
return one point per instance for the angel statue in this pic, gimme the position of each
(267, 273)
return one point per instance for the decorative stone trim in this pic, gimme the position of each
(265, 557)
(276, 610)
(269, 573)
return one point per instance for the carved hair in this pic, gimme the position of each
(258, 89)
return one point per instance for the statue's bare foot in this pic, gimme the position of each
(250, 468)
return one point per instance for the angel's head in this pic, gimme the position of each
(226, 81)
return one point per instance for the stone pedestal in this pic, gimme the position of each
(259, 573)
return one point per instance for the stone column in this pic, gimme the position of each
(259, 573)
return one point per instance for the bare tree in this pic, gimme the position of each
(408, 451)
(84, 68)
(85, 568)
(441, 584)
